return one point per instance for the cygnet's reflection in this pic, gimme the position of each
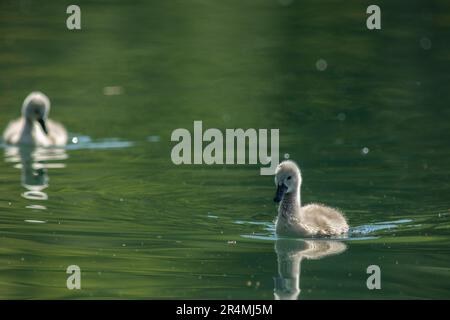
(290, 253)
(34, 164)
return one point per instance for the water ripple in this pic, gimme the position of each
(81, 142)
(363, 232)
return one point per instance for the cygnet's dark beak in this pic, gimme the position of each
(43, 125)
(281, 190)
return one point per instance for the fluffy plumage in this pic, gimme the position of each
(302, 221)
(34, 127)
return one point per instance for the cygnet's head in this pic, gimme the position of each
(36, 107)
(287, 179)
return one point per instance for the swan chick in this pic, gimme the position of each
(296, 220)
(33, 127)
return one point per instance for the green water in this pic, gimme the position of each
(140, 227)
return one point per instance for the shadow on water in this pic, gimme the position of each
(290, 254)
(34, 164)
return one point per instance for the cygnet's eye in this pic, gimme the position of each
(36, 111)
(289, 178)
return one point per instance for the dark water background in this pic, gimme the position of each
(371, 133)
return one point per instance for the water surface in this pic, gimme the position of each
(370, 132)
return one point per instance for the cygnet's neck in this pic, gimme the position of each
(290, 205)
(28, 127)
